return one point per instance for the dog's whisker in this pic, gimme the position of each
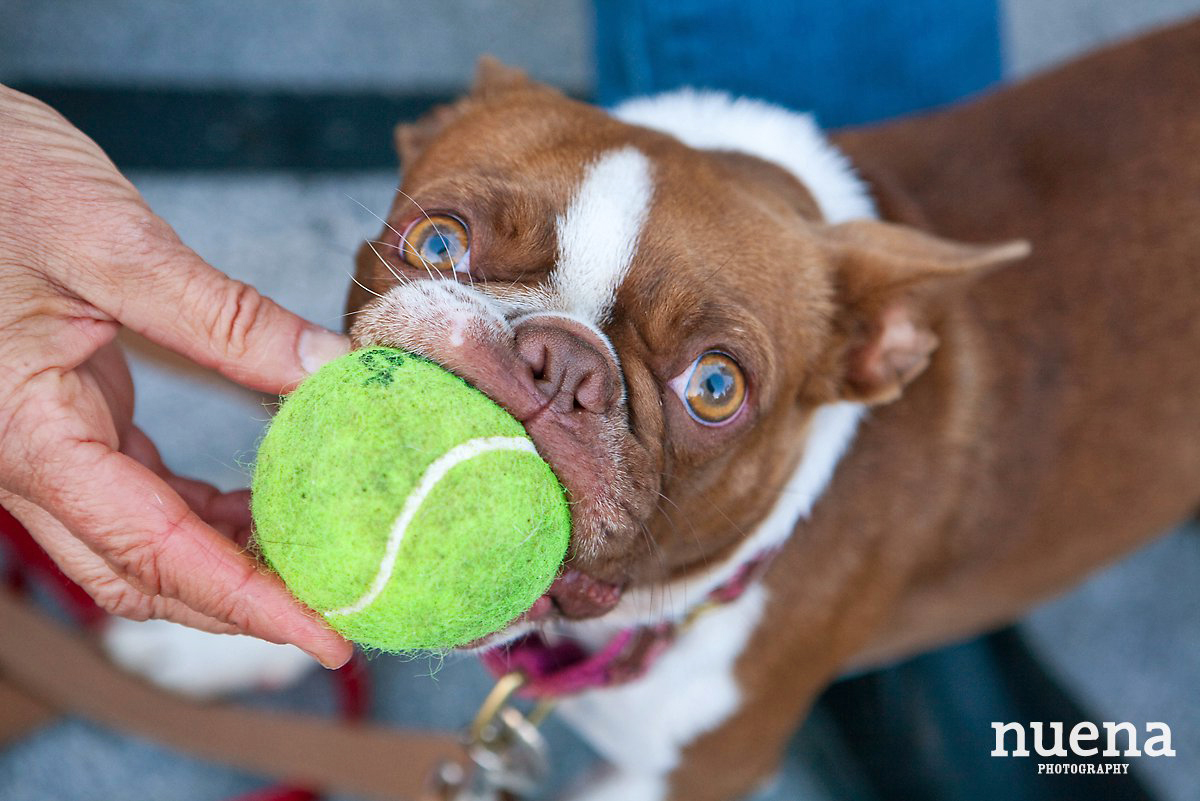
(656, 553)
(429, 270)
(424, 214)
(399, 278)
(406, 245)
(670, 519)
(364, 286)
(403, 239)
(741, 532)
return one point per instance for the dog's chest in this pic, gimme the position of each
(643, 726)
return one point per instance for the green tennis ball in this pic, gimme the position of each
(404, 505)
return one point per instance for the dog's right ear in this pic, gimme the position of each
(494, 77)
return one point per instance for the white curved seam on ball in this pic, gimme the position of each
(429, 479)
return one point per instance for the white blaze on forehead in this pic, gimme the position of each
(598, 233)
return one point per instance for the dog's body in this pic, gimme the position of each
(1081, 442)
(930, 436)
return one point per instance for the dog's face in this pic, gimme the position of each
(664, 321)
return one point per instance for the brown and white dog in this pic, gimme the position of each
(803, 426)
(747, 351)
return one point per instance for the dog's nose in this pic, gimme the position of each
(569, 364)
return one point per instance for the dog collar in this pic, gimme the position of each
(563, 669)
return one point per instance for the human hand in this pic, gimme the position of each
(80, 256)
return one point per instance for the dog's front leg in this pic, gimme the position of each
(742, 755)
(777, 684)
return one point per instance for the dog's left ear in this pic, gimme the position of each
(411, 138)
(890, 278)
(492, 78)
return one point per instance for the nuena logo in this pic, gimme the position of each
(1084, 740)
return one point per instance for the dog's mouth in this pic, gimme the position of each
(541, 648)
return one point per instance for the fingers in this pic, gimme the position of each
(150, 538)
(164, 291)
(227, 512)
(70, 215)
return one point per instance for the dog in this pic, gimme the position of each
(818, 403)
(806, 421)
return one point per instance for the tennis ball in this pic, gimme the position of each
(404, 505)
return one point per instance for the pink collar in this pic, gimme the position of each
(552, 671)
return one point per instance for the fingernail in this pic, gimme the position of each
(329, 662)
(318, 346)
(334, 664)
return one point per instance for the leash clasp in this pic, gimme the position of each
(505, 744)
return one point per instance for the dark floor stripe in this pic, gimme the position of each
(175, 129)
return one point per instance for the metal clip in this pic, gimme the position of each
(506, 745)
(448, 784)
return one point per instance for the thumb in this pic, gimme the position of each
(160, 288)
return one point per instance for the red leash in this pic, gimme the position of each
(28, 562)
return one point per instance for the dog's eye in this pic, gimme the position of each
(713, 389)
(438, 242)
